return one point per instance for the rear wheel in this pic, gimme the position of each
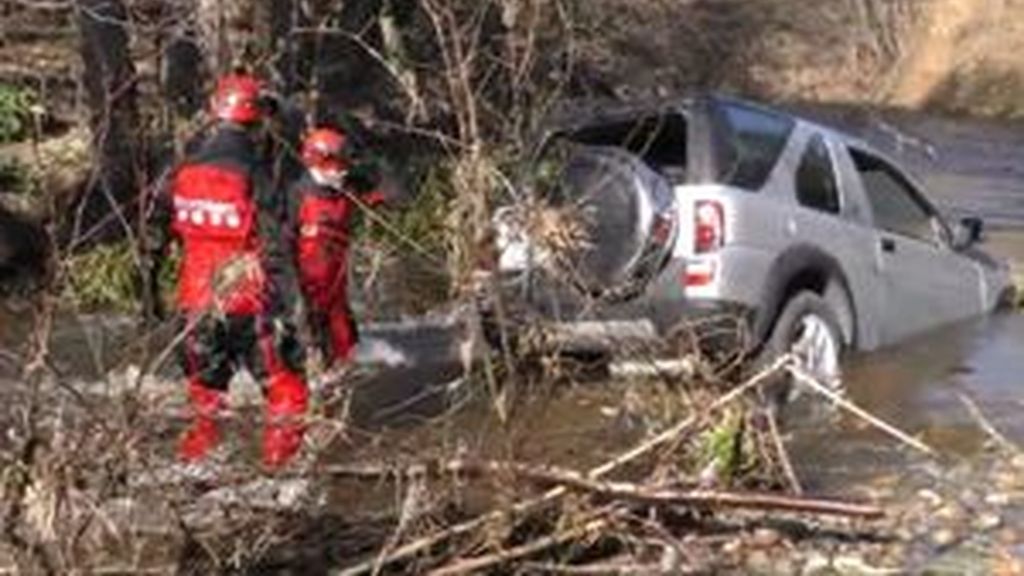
(809, 329)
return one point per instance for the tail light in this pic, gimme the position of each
(699, 273)
(708, 226)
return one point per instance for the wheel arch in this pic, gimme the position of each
(806, 267)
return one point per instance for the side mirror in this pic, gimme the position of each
(970, 231)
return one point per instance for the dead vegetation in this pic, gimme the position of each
(92, 490)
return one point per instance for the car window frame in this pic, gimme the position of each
(564, 133)
(942, 237)
(834, 169)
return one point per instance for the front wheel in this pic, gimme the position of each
(808, 329)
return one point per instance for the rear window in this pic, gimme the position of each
(815, 179)
(752, 141)
(660, 140)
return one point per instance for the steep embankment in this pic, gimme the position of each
(935, 54)
(966, 57)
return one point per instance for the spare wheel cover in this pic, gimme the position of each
(623, 203)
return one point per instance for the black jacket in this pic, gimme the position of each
(231, 147)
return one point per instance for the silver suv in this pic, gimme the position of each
(653, 216)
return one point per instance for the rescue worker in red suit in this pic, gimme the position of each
(322, 204)
(236, 276)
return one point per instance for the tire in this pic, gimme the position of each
(1007, 301)
(808, 328)
(617, 192)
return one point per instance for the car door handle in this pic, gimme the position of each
(888, 245)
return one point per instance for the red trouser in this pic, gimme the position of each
(329, 316)
(334, 330)
(214, 349)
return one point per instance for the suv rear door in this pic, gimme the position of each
(926, 283)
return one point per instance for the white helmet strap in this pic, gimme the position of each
(329, 178)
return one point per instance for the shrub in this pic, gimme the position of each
(15, 112)
(106, 278)
(14, 177)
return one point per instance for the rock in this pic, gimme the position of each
(1007, 565)
(966, 560)
(952, 513)
(732, 547)
(1009, 481)
(998, 499)
(854, 565)
(1008, 537)
(670, 560)
(850, 565)
(969, 498)
(759, 562)
(765, 538)
(944, 537)
(817, 564)
(896, 555)
(904, 534)
(1018, 462)
(988, 521)
(930, 496)
(784, 566)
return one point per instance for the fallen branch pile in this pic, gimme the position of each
(626, 492)
(582, 512)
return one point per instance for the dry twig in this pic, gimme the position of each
(622, 491)
(603, 520)
(986, 425)
(783, 455)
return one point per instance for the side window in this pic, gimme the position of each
(753, 142)
(816, 179)
(894, 203)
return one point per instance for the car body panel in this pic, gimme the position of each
(886, 286)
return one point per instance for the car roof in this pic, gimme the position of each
(801, 117)
(571, 115)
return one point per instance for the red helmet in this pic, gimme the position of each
(325, 149)
(236, 99)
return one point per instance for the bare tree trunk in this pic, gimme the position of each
(345, 68)
(225, 30)
(276, 47)
(210, 25)
(182, 76)
(110, 82)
